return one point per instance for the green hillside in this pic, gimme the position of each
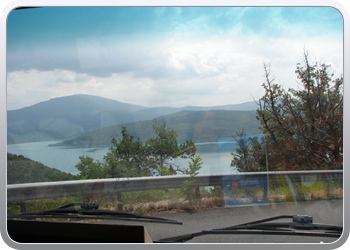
(195, 125)
(66, 117)
(23, 170)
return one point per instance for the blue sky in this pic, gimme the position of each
(164, 56)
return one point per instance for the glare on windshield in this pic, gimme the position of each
(176, 110)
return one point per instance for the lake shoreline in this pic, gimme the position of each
(216, 154)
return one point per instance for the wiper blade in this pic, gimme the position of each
(266, 227)
(91, 211)
(299, 222)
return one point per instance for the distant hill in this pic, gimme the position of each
(23, 170)
(150, 113)
(195, 125)
(67, 117)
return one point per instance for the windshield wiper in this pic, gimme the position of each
(303, 223)
(91, 211)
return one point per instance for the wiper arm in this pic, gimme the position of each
(91, 209)
(266, 227)
(299, 222)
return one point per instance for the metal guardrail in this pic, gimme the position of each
(33, 191)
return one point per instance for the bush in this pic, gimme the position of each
(192, 170)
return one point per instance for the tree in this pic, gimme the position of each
(304, 127)
(164, 149)
(250, 155)
(116, 167)
(127, 158)
(90, 169)
(192, 171)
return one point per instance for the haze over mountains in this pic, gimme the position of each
(198, 126)
(70, 116)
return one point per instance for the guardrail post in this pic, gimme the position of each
(197, 194)
(23, 207)
(120, 202)
(266, 188)
(327, 180)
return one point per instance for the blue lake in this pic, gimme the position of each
(216, 155)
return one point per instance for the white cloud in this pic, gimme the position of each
(93, 83)
(222, 69)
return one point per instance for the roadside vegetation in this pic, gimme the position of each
(152, 202)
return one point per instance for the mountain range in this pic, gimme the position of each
(70, 116)
(199, 126)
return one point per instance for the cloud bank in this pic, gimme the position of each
(167, 56)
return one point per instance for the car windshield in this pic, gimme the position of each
(208, 116)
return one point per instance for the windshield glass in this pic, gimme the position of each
(212, 116)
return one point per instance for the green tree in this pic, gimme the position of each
(164, 149)
(127, 158)
(192, 171)
(250, 154)
(116, 167)
(304, 127)
(90, 169)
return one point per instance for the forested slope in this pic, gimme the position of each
(23, 170)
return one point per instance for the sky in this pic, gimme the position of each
(154, 56)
